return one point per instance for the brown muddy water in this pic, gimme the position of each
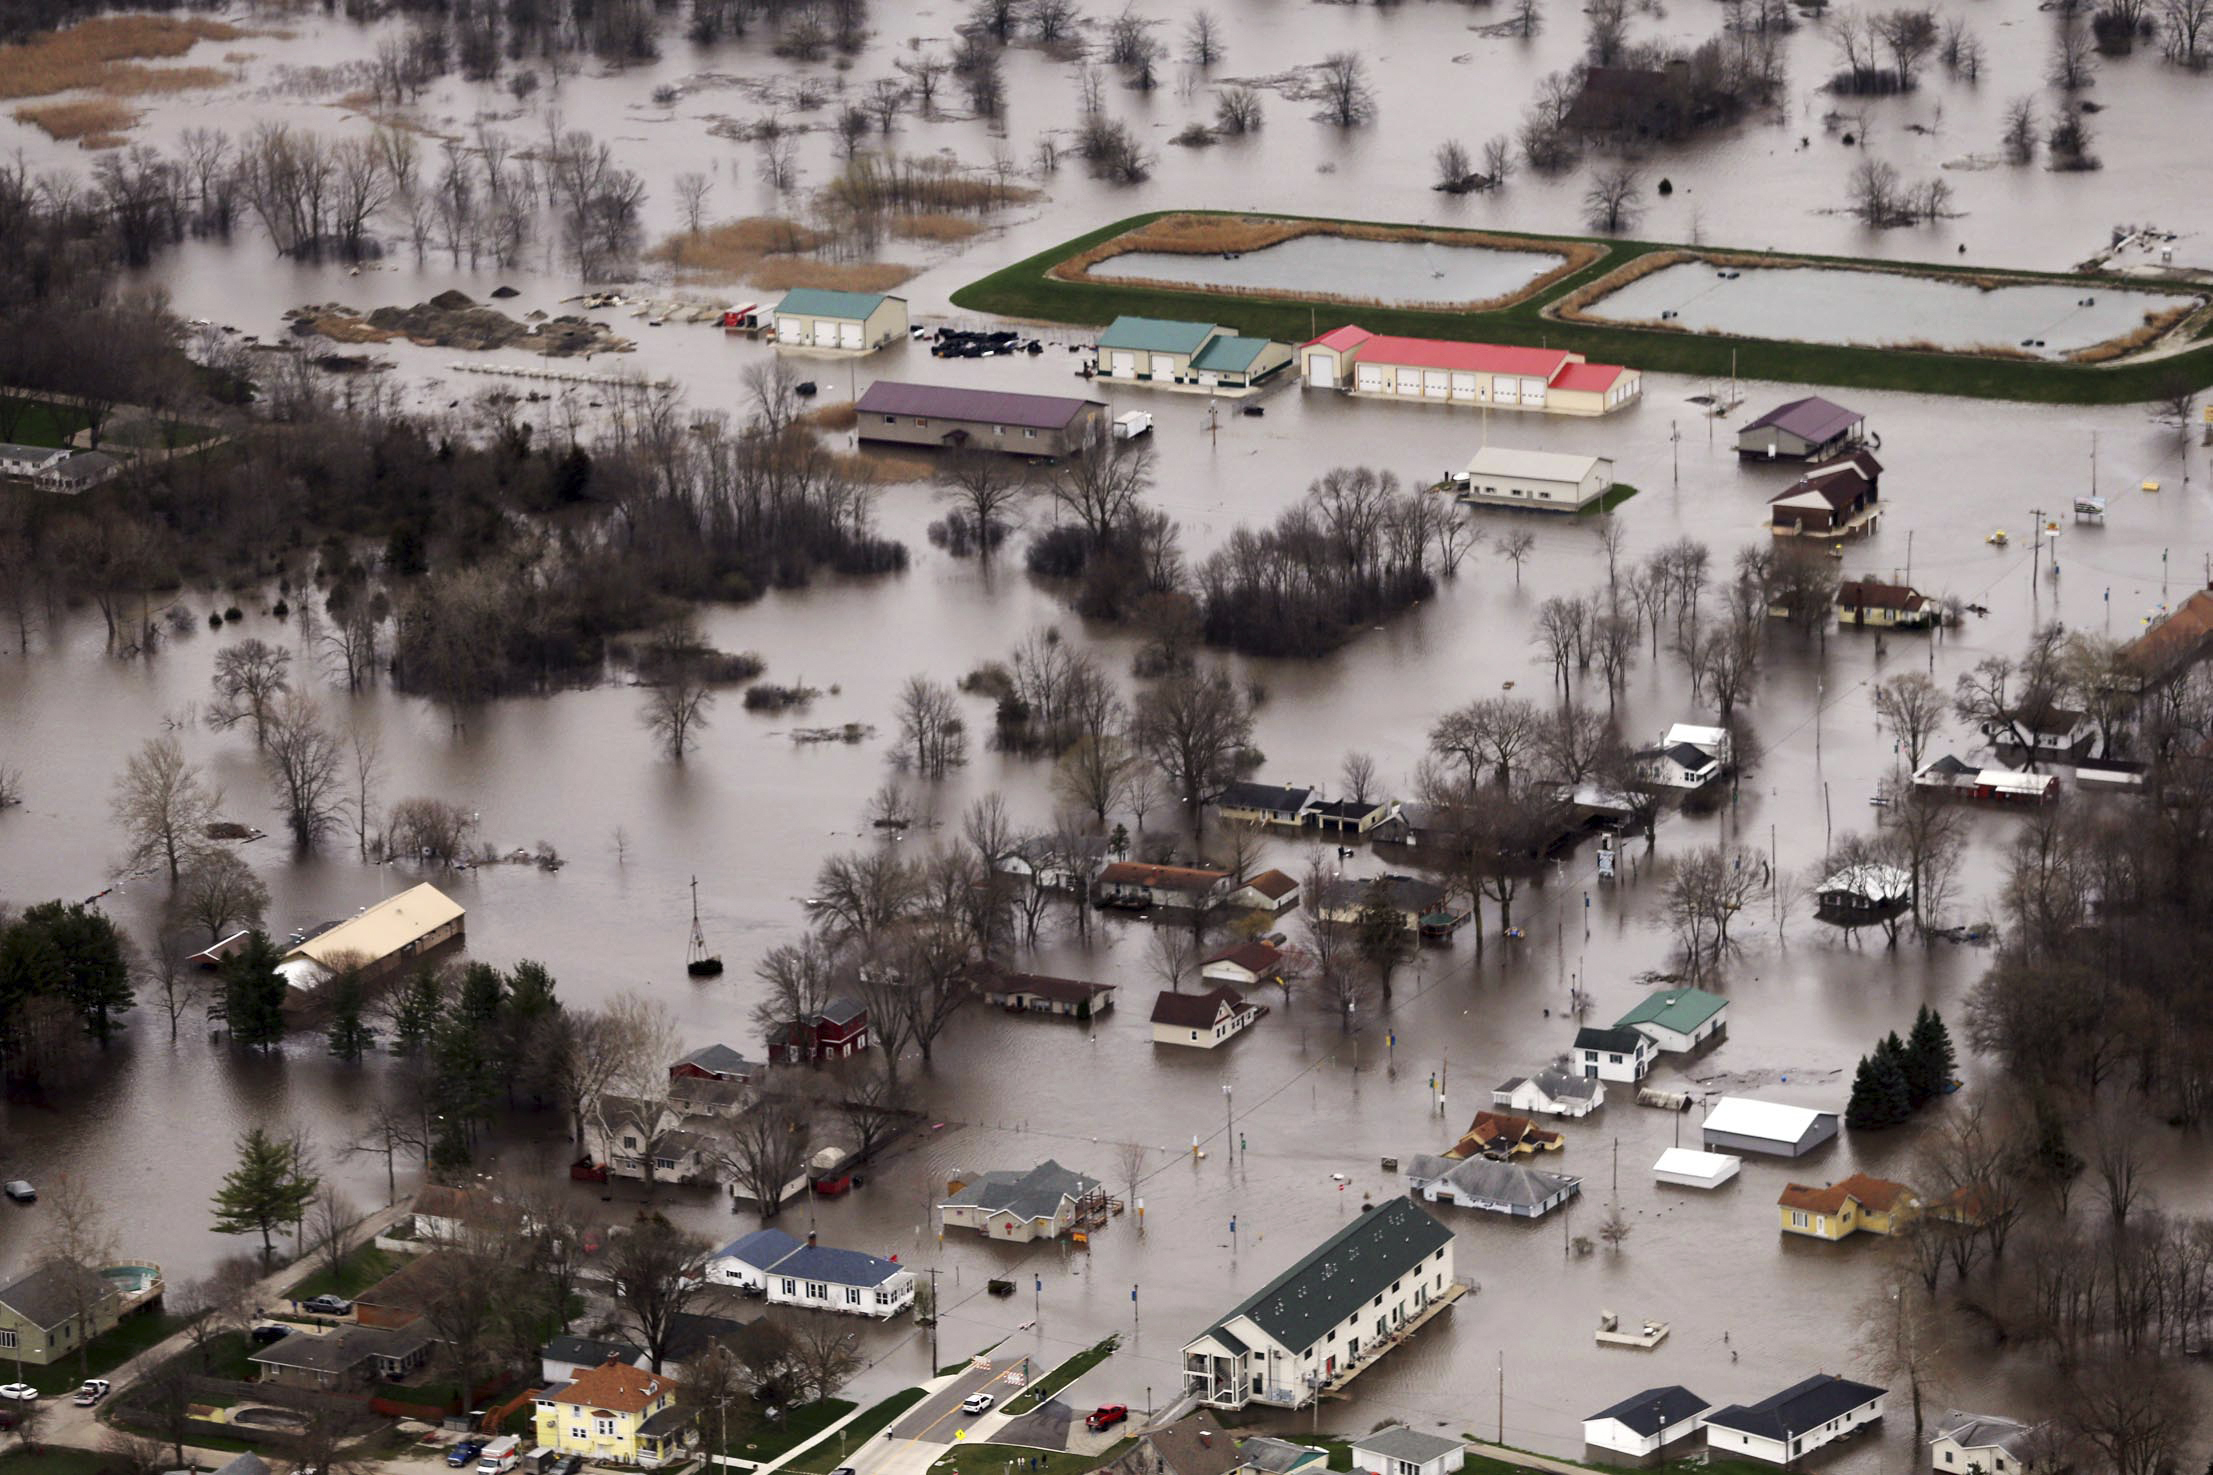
(753, 814)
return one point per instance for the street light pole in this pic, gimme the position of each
(1229, 1124)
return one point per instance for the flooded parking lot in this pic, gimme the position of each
(1397, 272)
(1818, 304)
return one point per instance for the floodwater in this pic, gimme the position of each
(753, 814)
(1824, 304)
(1374, 271)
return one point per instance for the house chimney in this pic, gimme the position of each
(1206, 1438)
(810, 1239)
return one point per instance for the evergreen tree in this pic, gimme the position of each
(1894, 1098)
(462, 1087)
(350, 1036)
(531, 1035)
(265, 1192)
(1863, 1112)
(483, 990)
(95, 979)
(1929, 1059)
(30, 966)
(421, 1003)
(253, 993)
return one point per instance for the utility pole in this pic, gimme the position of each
(1501, 1395)
(2036, 547)
(1617, 1165)
(935, 1364)
(1229, 1126)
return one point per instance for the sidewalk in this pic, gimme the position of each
(934, 1385)
(67, 1424)
(1526, 1461)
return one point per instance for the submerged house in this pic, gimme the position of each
(788, 1271)
(1859, 1204)
(1859, 895)
(1834, 500)
(950, 418)
(1618, 1054)
(1281, 805)
(857, 322)
(1207, 355)
(1245, 964)
(1737, 1124)
(1879, 606)
(1513, 1189)
(1646, 1423)
(1554, 1091)
(1326, 1319)
(1202, 1021)
(1549, 481)
(1038, 993)
(1043, 1203)
(1498, 1134)
(1422, 906)
(1678, 1020)
(382, 939)
(1129, 883)
(1270, 891)
(1444, 371)
(1990, 1443)
(1795, 1422)
(2176, 642)
(1802, 430)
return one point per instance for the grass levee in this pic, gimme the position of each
(1028, 289)
(1049, 1384)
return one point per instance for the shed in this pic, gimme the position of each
(1547, 481)
(1244, 964)
(1688, 1168)
(855, 322)
(1234, 361)
(1399, 1450)
(1166, 351)
(1771, 1128)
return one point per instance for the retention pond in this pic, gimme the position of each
(1396, 272)
(1813, 304)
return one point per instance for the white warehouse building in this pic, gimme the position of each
(1549, 481)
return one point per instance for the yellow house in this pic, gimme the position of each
(616, 1413)
(1858, 1204)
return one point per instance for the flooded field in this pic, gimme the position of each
(1376, 271)
(1816, 304)
(754, 814)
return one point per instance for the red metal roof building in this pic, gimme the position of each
(1446, 371)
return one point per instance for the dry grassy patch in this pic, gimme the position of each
(131, 79)
(883, 468)
(83, 55)
(1208, 235)
(842, 415)
(934, 225)
(95, 123)
(735, 249)
(782, 273)
(2156, 325)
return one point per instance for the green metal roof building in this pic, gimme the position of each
(1678, 1019)
(856, 322)
(1205, 355)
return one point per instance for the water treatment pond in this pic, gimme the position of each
(1832, 305)
(1345, 267)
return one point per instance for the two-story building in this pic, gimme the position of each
(47, 1314)
(1320, 1323)
(838, 1029)
(615, 1414)
(1617, 1054)
(787, 1271)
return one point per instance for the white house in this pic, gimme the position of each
(1646, 1423)
(857, 322)
(1678, 1020)
(1204, 1021)
(1399, 1450)
(1795, 1422)
(1686, 1167)
(1549, 481)
(1270, 891)
(1043, 1203)
(1616, 1054)
(1983, 1444)
(1679, 766)
(1244, 965)
(1508, 1188)
(1742, 1124)
(1551, 1092)
(1344, 1305)
(794, 1272)
(1248, 802)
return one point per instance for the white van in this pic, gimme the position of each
(499, 1456)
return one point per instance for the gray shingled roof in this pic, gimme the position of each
(1487, 1178)
(1626, 1041)
(1036, 1194)
(1357, 1262)
(1985, 1431)
(1401, 1443)
(1645, 1413)
(720, 1059)
(1801, 1406)
(45, 1297)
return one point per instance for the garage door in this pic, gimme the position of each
(1532, 391)
(791, 330)
(1436, 384)
(1164, 366)
(1410, 381)
(1463, 386)
(1321, 368)
(849, 335)
(1502, 392)
(826, 333)
(1124, 366)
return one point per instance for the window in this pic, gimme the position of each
(852, 1295)
(1394, 1286)
(1615, 1059)
(604, 1428)
(891, 419)
(791, 1287)
(1029, 435)
(818, 1291)
(7, 1339)
(1798, 1218)
(630, 1142)
(579, 1435)
(665, 1164)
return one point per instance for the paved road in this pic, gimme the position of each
(938, 1419)
(67, 1424)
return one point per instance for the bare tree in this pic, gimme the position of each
(165, 807)
(923, 72)
(303, 763)
(1903, 1337)
(220, 894)
(1709, 887)
(329, 1228)
(1515, 548)
(249, 679)
(1615, 1228)
(1615, 199)
(1173, 956)
(2074, 56)
(2021, 130)
(1347, 98)
(1202, 39)
(932, 734)
(1357, 777)
(1193, 728)
(77, 1243)
(988, 489)
(653, 1275)
(1498, 161)
(765, 1150)
(2187, 21)
(1237, 110)
(692, 189)
(1914, 708)
(678, 697)
(1455, 167)
(366, 750)
(2120, 1162)
(1129, 1160)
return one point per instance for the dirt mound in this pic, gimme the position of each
(454, 320)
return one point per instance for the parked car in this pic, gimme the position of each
(1106, 1416)
(92, 1392)
(464, 1453)
(977, 1403)
(571, 1466)
(19, 1190)
(329, 1306)
(272, 1331)
(20, 1392)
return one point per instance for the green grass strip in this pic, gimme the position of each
(1060, 1377)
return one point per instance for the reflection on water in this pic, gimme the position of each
(1370, 271)
(1816, 304)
